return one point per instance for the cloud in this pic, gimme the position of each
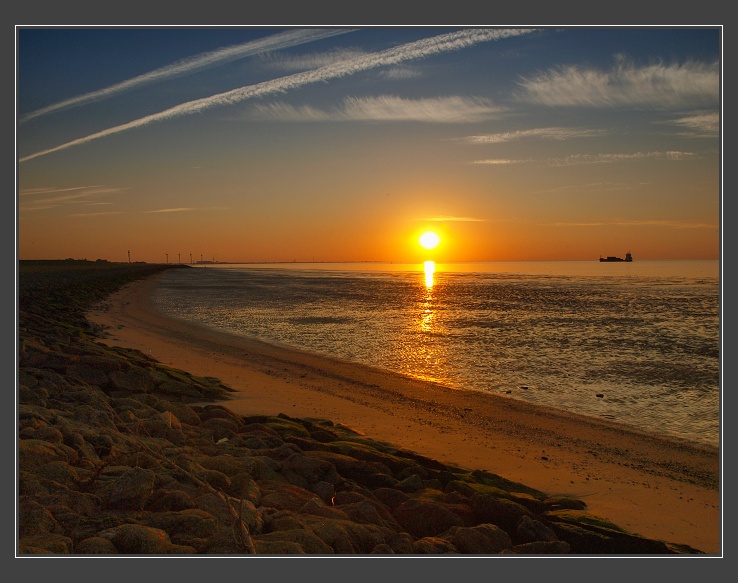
(554, 133)
(501, 161)
(186, 66)
(592, 187)
(595, 158)
(646, 223)
(610, 158)
(172, 210)
(701, 125)
(95, 214)
(414, 50)
(54, 197)
(388, 108)
(36, 191)
(691, 84)
(311, 60)
(451, 220)
(400, 73)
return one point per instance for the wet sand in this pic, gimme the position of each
(660, 488)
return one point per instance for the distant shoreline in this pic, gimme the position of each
(657, 487)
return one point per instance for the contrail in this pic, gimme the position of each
(414, 50)
(272, 43)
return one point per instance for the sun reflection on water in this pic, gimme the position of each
(430, 269)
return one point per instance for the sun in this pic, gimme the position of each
(429, 240)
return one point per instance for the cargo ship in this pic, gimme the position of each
(613, 259)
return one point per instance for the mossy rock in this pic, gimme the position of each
(490, 479)
(583, 518)
(286, 427)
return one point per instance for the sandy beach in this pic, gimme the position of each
(657, 487)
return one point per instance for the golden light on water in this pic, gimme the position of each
(430, 269)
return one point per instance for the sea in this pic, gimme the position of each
(637, 343)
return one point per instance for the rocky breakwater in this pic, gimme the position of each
(118, 455)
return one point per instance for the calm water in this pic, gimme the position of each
(637, 343)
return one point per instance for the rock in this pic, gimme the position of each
(307, 541)
(412, 483)
(498, 511)
(226, 464)
(50, 434)
(227, 510)
(134, 380)
(483, 539)
(325, 490)
(137, 539)
(95, 545)
(285, 496)
(317, 507)
(220, 427)
(184, 413)
(164, 500)
(128, 492)
(33, 453)
(556, 547)
(346, 537)
(58, 471)
(433, 546)
(90, 373)
(306, 471)
(278, 547)
(243, 486)
(370, 512)
(45, 544)
(33, 396)
(34, 519)
(391, 497)
(423, 518)
(184, 525)
(530, 530)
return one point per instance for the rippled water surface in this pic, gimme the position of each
(636, 343)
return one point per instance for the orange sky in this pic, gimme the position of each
(344, 145)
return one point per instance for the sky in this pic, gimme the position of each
(241, 144)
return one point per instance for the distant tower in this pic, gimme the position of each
(129, 256)
(190, 258)
(179, 258)
(167, 254)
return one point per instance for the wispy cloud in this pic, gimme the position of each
(451, 219)
(592, 187)
(646, 223)
(702, 125)
(691, 84)
(390, 57)
(172, 210)
(310, 60)
(553, 133)
(400, 73)
(43, 198)
(186, 66)
(388, 108)
(501, 161)
(610, 158)
(95, 214)
(37, 191)
(593, 158)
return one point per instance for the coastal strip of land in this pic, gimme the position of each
(658, 487)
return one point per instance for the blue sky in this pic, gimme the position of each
(273, 144)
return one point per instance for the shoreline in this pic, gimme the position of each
(658, 487)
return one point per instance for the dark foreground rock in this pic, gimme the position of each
(116, 457)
